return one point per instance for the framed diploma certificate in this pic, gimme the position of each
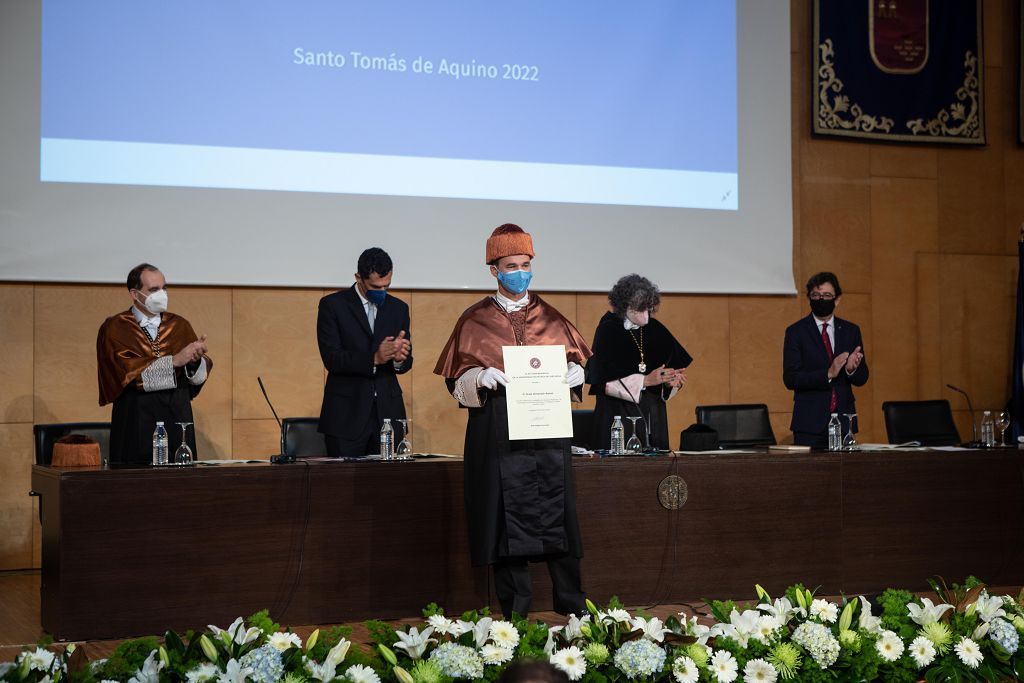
(538, 400)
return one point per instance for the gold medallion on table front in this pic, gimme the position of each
(672, 492)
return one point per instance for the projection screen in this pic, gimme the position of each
(267, 142)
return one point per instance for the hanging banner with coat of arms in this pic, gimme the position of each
(900, 70)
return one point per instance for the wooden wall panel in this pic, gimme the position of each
(209, 311)
(757, 325)
(836, 226)
(16, 331)
(904, 220)
(274, 336)
(67, 318)
(16, 508)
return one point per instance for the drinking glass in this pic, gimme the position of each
(184, 455)
(1003, 422)
(405, 446)
(849, 441)
(634, 445)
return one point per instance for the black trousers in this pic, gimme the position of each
(512, 584)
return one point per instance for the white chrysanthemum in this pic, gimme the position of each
(357, 673)
(724, 667)
(493, 654)
(766, 627)
(922, 651)
(281, 641)
(759, 671)
(442, 624)
(825, 611)
(504, 634)
(889, 646)
(571, 661)
(40, 659)
(203, 673)
(685, 670)
(969, 652)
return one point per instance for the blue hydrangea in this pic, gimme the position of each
(458, 661)
(265, 663)
(1003, 633)
(639, 658)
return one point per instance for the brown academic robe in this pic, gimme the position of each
(123, 351)
(519, 495)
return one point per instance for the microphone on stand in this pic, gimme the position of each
(282, 458)
(974, 443)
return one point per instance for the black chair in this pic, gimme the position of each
(583, 428)
(739, 425)
(47, 434)
(301, 439)
(928, 422)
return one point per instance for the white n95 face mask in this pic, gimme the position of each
(156, 302)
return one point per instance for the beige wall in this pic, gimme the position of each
(923, 240)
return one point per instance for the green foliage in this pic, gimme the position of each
(431, 610)
(328, 639)
(895, 616)
(263, 622)
(127, 658)
(721, 609)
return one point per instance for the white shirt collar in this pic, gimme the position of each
(629, 324)
(509, 305)
(819, 322)
(366, 302)
(144, 319)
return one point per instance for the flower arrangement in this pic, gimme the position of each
(966, 635)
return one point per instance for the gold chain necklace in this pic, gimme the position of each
(642, 366)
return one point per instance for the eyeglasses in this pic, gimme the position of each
(815, 296)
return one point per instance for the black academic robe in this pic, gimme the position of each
(616, 355)
(520, 498)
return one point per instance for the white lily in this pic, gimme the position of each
(150, 670)
(782, 609)
(415, 642)
(653, 628)
(989, 607)
(929, 613)
(236, 632)
(698, 631)
(744, 625)
(322, 672)
(282, 640)
(481, 631)
(549, 646)
(981, 631)
(234, 673)
(866, 620)
(459, 627)
(572, 627)
(336, 655)
(615, 616)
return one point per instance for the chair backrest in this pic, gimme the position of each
(583, 428)
(928, 422)
(47, 434)
(301, 438)
(739, 425)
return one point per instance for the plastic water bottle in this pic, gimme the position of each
(618, 436)
(160, 444)
(988, 429)
(387, 440)
(835, 433)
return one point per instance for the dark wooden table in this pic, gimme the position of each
(136, 551)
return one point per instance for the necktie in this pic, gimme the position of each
(833, 401)
(371, 315)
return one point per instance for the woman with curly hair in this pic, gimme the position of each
(637, 364)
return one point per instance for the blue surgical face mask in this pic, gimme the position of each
(376, 296)
(515, 281)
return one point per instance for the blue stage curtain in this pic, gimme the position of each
(899, 70)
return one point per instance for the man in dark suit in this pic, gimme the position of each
(363, 334)
(822, 358)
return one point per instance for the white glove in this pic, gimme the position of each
(574, 377)
(491, 378)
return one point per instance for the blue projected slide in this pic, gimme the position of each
(573, 101)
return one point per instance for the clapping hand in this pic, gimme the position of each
(837, 364)
(393, 348)
(853, 362)
(191, 353)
